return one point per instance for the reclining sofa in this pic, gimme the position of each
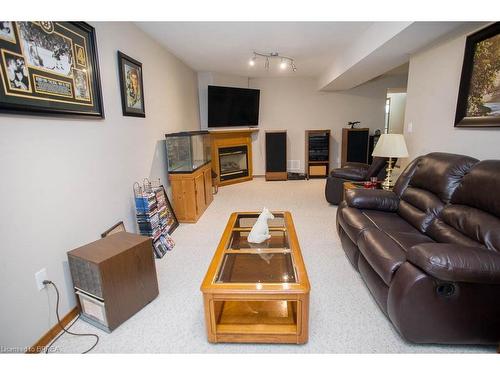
(428, 251)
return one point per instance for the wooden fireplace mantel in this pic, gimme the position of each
(231, 138)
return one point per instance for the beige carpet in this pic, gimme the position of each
(343, 316)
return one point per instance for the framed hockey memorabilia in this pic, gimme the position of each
(131, 86)
(49, 68)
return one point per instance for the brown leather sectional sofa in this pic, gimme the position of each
(429, 250)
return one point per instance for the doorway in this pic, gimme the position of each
(395, 104)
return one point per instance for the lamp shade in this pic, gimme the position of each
(391, 146)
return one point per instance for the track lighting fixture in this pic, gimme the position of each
(285, 60)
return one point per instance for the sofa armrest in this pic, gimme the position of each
(451, 262)
(350, 173)
(372, 199)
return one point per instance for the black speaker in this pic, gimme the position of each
(355, 145)
(276, 155)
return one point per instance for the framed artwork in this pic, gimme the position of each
(131, 86)
(170, 218)
(49, 68)
(118, 227)
(479, 96)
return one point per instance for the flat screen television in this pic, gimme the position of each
(231, 106)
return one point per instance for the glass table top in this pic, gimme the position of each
(268, 262)
(257, 268)
(248, 220)
(239, 240)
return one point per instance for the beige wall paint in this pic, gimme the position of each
(296, 105)
(65, 181)
(433, 82)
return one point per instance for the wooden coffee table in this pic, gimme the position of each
(257, 292)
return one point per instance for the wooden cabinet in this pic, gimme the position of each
(192, 193)
(114, 278)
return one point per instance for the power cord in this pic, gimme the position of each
(65, 330)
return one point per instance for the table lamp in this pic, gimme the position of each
(390, 146)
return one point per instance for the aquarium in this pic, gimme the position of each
(187, 151)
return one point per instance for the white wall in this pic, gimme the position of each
(397, 112)
(433, 82)
(296, 105)
(65, 181)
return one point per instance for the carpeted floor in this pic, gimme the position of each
(343, 316)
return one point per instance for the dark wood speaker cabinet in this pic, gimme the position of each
(317, 160)
(114, 278)
(354, 145)
(276, 155)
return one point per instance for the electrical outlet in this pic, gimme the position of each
(40, 276)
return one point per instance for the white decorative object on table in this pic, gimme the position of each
(260, 230)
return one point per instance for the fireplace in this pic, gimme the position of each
(232, 155)
(233, 162)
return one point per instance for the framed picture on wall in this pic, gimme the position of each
(479, 95)
(49, 68)
(131, 86)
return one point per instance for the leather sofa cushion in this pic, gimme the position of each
(383, 254)
(418, 219)
(478, 225)
(423, 200)
(403, 233)
(441, 173)
(353, 222)
(479, 188)
(439, 231)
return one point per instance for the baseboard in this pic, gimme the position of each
(40, 345)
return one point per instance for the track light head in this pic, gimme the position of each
(285, 60)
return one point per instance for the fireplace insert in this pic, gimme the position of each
(233, 162)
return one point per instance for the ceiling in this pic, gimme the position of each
(226, 47)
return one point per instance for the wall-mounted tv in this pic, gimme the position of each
(231, 106)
